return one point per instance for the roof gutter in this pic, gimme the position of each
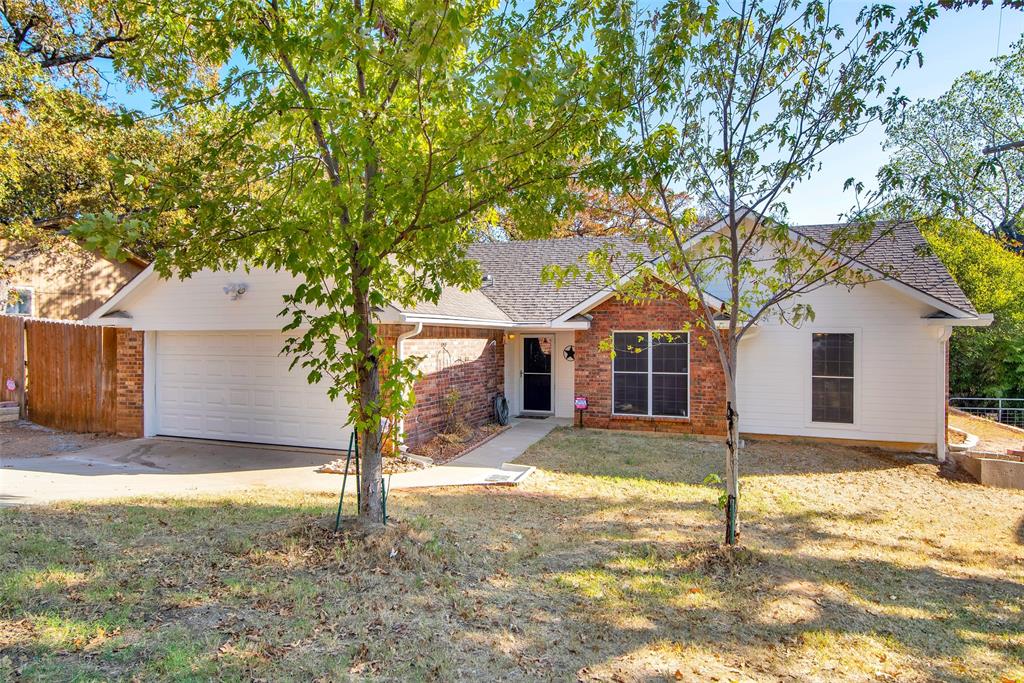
(983, 320)
(414, 319)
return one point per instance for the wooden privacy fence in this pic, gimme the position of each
(12, 356)
(71, 373)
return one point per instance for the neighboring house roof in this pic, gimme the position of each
(67, 279)
(900, 251)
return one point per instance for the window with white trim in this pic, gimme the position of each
(651, 374)
(832, 366)
(18, 301)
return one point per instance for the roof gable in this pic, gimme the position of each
(899, 251)
(517, 287)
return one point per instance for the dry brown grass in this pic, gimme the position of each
(856, 565)
(992, 436)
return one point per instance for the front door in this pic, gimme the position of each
(537, 374)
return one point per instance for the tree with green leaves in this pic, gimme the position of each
(360, 147)
(55, 166)
(938, 162)
(58, 129)
(734, 105)
(987, 361)
(66, 38)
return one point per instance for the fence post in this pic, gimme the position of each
(1000, 408)
(22, 362)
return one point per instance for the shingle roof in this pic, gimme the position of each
(517, 293)
(459, 304)
(899, 251)
(516, 267)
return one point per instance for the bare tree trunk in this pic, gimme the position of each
(732, 462)
(371, 510)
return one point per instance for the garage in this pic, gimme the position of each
(237, 386)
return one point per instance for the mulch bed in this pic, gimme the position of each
(446, 447)
(393, 464)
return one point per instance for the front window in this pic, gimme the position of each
(651, 374)
(832, 377)
(19, 301)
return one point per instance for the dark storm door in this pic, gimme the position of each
(537, 374)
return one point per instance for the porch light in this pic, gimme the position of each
(236, 290)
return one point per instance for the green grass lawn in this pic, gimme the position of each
(604, 566)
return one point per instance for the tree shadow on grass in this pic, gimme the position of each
(479, 584)
(624, 584)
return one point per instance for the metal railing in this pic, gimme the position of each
(1009, 411)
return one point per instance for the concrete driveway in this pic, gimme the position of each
(176, 467)
(160, 466)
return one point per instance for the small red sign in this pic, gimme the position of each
(581, 403)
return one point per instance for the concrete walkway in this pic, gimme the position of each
(176, 467)
(488, 463)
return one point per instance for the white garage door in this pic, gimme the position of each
(236, 386)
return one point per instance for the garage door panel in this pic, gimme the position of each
(237, 386)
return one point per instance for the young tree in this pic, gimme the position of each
(734, 105)
(939, 166)
(359, 146)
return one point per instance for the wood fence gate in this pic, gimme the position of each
(71, 373)
(12, 357)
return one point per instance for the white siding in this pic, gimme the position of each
(199, 303)
(565, 376)
(896, 377)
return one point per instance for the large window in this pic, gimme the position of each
(832, 377)
(651, 374)
(17, 301)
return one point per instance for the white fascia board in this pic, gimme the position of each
(110, 322)
(120, 295)
(983, 320)
(493, 324)
(412, 318)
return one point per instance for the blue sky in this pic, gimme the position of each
(956, 42)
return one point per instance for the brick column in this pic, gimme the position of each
(129, 382)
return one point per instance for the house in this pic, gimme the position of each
(870, 368)
(64, 283)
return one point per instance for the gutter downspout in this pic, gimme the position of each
(943, 382)
(400, 351)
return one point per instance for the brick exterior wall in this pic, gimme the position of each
(453, 359)
(594, 368)
(129, 382)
